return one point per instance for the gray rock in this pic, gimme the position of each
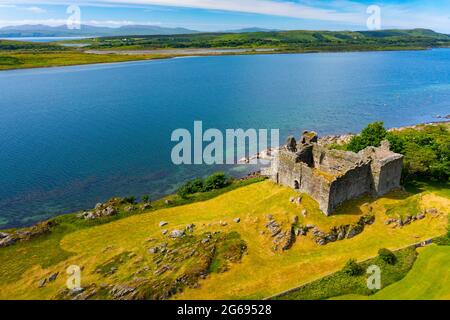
(163, 223)
(176, 233)
(190, 227)
(42, 283)
(3, 235)
(153, 250)
(421, 216)
(354, 230)
(237, 220)
(164, 231)
(7, 241)
(75, 291)
(53, 277)
(129, 208)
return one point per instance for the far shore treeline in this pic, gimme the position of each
(21, 55)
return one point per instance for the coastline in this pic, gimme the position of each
(266, 156)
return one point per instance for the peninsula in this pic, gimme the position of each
(19, 55)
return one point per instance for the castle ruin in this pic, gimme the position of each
(334, 176)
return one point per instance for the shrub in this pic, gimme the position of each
(352, 268)
(145, 199)
(130, 200)
(191, 187)
(217, 180)
(387, 256)
(372, 135)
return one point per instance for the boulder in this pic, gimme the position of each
(42, 282)
(176, 233)
(421, 216)
(354, 230)
(3, 235)
(190, 227)
(237, 220)
(145, 206)
(7, 241)
(163, 223)
(53, 277)
(129, 208)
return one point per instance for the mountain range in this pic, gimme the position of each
(94, 31)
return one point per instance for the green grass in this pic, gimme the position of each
(46, 251)
(409, 207)
(340, 283)
(294, 41)
(260, 274)
(22, 60)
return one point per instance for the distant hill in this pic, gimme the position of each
(246, 30)
(295, 40)
(87, 31)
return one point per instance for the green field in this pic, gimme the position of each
(429, 279)
(19, 55)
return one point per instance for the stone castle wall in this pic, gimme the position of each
(333, 176)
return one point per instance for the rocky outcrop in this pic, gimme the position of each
(408, 219)
(283, 239)
(101, 210)
(342, 232)
(25, 234)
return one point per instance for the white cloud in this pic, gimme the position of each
(345, 12)
(35, 10)
(61, 22)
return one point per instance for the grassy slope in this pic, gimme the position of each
(429, 279)
(297, 40)
(262, 272)
(339, 283)
(13, 60)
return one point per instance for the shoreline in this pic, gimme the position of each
(220, 52)
(266, 155)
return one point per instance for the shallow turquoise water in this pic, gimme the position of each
(74, 136)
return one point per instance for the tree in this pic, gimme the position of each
(372, 135)
(352, 268)
(387, 256)
(217, 180)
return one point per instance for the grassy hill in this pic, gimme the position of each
(429, 279)
(19, 55)
(300, 40)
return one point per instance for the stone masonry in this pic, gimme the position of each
(334, 176)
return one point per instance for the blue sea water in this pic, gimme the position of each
(74, 136)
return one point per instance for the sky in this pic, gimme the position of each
(218, 15)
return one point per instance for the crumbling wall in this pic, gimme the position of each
(318, 187)
(288, 171)
(353, 184)
(386, 175)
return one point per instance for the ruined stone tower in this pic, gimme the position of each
(334, 176)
